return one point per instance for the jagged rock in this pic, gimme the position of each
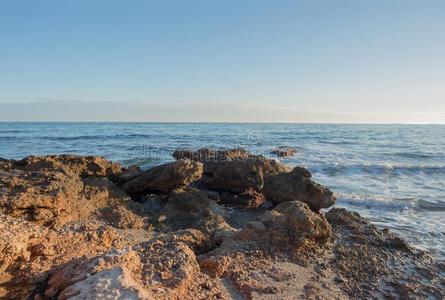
(284, 151)
(101, 246)
(46, 196)
(297, 185)
(289, 224)
(165, 178)
(120, 216)
(115, 283)
(83, 166)
(157, 269)
(249, 198)
(198, 241)
(194, 209)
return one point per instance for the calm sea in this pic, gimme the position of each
(392, 174)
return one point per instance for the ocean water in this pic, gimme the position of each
(392, 174)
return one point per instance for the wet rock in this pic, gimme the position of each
(297, 185)
(165, 178)
(284, 151)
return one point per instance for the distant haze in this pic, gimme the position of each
(223, 61)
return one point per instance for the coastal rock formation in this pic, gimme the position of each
(87, 166)
(248, 198)
(237, 226)
(165, 178)
(47, 196)
(284, 151)
(206, 154)
(194, 209)
(297, 185)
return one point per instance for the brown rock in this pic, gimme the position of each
(284, 151)
(157, 269)
(290, 225)
(49, 197)
(297, 185)
(249, 198)
(119, 216)
(165, 178)
(83, 166)
(215, 266)
(193, 209)
(235, 176)
(206, 154)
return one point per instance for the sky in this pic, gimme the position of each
(357, 61)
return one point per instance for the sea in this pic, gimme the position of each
(392, 174)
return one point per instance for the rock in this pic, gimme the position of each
(235, 176)
(152, 203)
(193, 238)
(129, 173)
(248, 198)
(206, 154)
(83, 166)
(284, 151)
(305, 223)
(342, 216)
(116, 283)
(157, 269)
(121, 217)
(193, 209)
(54, 197)
(290, 225)
(297, 185)
(215, 266)
(165, 178)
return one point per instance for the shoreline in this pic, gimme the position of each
(212, 224)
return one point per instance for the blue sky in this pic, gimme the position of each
(266, 61)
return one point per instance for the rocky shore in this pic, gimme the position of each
(210, 225)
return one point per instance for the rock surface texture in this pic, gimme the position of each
(214, 224)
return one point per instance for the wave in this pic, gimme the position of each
(378, 169)
(386, 204)
(414, 155)
(82, 137)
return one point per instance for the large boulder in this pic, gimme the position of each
(165, 178)
(237, 176)
(297, 185)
